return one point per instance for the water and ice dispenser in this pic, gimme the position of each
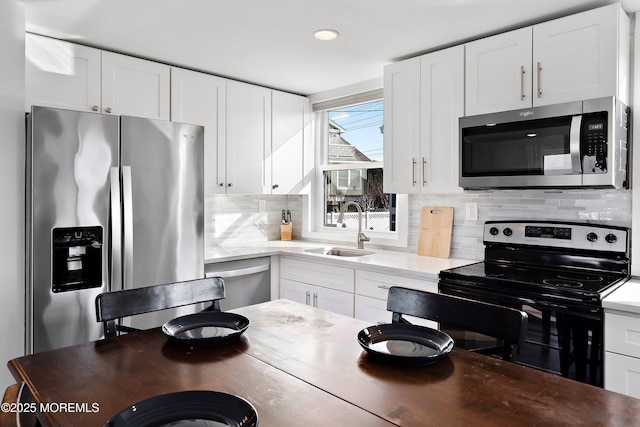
(77, 258)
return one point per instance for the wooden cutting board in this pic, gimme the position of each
(434, 238)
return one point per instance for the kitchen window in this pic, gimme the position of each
(349, 137)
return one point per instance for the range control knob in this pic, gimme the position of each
(493, 231)
(592, 237)
(507, 232)
(610, 238)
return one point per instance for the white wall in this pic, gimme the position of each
(11, 186)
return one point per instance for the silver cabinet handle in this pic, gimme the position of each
(522, 83)
(308, 301)
(383, 287)
(413, 170)
(315, 299)
(108, 109)
(424, 173)
(539, 72)
(95, 108)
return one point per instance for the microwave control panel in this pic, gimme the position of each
(593, 144)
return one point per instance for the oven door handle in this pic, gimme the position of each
(574, 144)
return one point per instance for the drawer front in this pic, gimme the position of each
(622, 334)
(622, 374)
(376, 285)
(372, 310)
(328, 276)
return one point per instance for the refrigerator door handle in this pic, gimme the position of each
(127, 208)
(116, 230)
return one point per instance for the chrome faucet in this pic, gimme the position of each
(361, 237)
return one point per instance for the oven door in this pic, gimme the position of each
(558, 341)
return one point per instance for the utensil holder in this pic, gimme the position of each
(285, 231)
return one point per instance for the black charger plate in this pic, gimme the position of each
(407, 344)
(207, 328)
(197, 408)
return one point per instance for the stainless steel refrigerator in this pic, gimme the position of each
(113, 202)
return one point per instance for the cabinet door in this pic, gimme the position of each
(134, 87)
(248, 139)
(334, 301)
(577, 56)
(61, 74)
(622, 374)
(296, 291)
(498, 73)
(199, 99)
(290, 117)
(402, 126)
(442, 91)
(372, 310)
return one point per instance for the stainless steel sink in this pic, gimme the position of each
(344, 252)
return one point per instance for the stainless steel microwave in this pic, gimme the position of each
(576, 144)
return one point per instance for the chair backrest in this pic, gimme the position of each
(112, 306)
(504, 323)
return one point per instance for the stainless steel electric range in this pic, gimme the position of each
(558, 273)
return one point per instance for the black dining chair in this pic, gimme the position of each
(506, 324)
(113, 306)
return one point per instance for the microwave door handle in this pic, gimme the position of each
(574, 144)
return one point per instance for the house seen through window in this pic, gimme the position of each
(353, 170)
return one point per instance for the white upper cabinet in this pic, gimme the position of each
(291, 137)
(248, 139)
(66, 75)
(200, 99)
(498, 73)
(135, 87)
(61, 74)
(442, 104)
(577, 57)
(424, 97)
(401, 126)
(582, 56)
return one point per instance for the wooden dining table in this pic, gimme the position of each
(303, 366)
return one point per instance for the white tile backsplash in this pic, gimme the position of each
(231, 219)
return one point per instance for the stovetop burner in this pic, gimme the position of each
(562, 283)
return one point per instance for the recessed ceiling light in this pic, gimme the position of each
(326, 34)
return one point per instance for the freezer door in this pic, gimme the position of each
(163, 219)
(69, 156)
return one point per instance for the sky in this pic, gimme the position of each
(363, 123)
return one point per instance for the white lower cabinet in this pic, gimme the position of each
(327, 299)
(353, 292)
(622, 353)
(372, 289)
(317, 284)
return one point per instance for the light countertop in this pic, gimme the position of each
(384, 261)
(625, 298)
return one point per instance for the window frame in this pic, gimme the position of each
(313, 210)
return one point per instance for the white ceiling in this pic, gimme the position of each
(270, 42)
